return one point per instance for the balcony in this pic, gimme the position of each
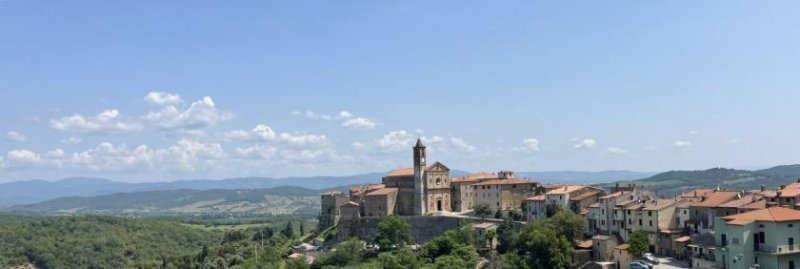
(780, 249)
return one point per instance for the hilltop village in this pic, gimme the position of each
(704, 228)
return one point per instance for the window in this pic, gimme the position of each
(791, 225)
(649, 213)
(651, 223)
(723, 240)
(640, 222)
(438, 181)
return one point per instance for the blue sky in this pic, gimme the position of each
(148, 90)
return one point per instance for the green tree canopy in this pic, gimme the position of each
(393, 232)
(569, 224)
(483, 209)
(639, 243)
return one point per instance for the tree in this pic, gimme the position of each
(543, 246)
(302, 229)
(401, 259)
(569, 224)
(505, 235)
(498, 214)
(483, 210)
(288, 231)
(515, 215)
(638, 243)
(393, 232)
(347, 253)
(551, 209)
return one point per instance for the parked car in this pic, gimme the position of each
(636, 265)
(650, 258)
(641, 264)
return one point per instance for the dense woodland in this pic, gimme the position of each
(115, 242)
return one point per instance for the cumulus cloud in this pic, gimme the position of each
(162, 99)
(615, 150)
(16, 136)
(266, 133)
(460, 144)
(199, 115)
(395, 140)
(358, 146)
(531, 144)
(23, 156)
(71, 140)
(359, 123)
(347, 119)
(585, 144)
(681, 144)
(108, 120)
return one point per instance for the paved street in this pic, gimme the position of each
(670, 263)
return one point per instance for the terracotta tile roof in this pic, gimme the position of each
(595, 205)
(584, 195)
(350, 203)
(509, 181)
(791, 190)
(355, 189)
(747, 199)
(612, 195)
(485, 225)
(659, 204)
(540, 197)
(585, 244)
(401, 172)
(622, 247)
(717, 198)
(683, 239)
(755, 205)
(476, 177)
(375, 187)
(772, 214)
(382, 191)
(699, 192)
(566, 189)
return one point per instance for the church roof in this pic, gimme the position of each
(401, 172)
(383, 191)
(434, 165)
(419, 143)
(505, 182)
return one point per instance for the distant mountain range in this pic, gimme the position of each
(249, 202)
(35, 191)
(675, 182)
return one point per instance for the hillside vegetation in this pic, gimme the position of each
(675, 182)
(234, 203)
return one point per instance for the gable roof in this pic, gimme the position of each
(382, 191)
(436, 164)
(584, 195)
(717, 198)
(659, 204)
(566, 189)
(509, 181)
(401, 172)
(540, 197)
(772, 214)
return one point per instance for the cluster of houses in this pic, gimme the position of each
(709, 228)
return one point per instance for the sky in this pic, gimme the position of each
(144, 91)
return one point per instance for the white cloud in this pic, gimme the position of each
(732, 141)
(16, 136)
(585, 144)
(614, 150)
(358, 146)
(359, 123)
(694, 132)
(200, 114)
(236, 135)
(108, 120)
(395, 141)
(432, 140)
(460, 144)
(258, 152)
(266, 133)
(681, 144)
(530, 145)
(71, 140)
(23, 156)
(347, 118)
(162, 99)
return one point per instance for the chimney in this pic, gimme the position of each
(783, 187)
(763, 188)
(505, 174)
(778, 196)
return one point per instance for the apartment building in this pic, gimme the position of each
(765, 237)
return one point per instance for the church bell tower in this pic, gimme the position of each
(419, 178)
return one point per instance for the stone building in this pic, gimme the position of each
(330, 213)
(463, 195)
(505, 192)
(380, 203)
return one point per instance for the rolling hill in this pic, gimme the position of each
(674, 182)
(239, 202)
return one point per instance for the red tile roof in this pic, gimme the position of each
(540, 197)
(717, 198)
(566, 189)
(659, 204)
(509, 181)
(584, 195)
(382, 191)
(772, 214)
(401, 172)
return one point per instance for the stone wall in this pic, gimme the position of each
(423, 228)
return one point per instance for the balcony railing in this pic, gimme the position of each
(780, 249)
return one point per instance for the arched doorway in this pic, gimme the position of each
(439, 204)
